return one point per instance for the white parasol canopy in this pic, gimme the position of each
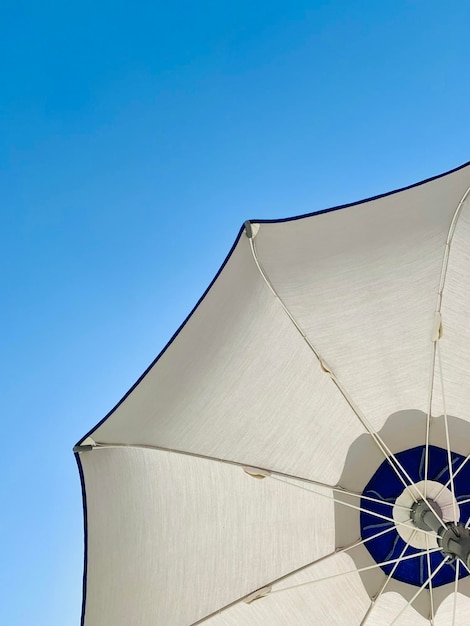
(263, 470)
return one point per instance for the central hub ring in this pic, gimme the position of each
(386, 517)
(443, 499)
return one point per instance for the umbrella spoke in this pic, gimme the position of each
(465, 566)
(299, 569)
(436, 348)
(363, 497)
(461, 466)
(398, 468)
(437, 331)
(265, 471)
(378, 596)
(363, 541)
(446, 423)
(352, 506)
(456, 588)
(389, 456)
(245, 466)
(428, 560)
(427, 582)
(428, 418)
(359, 570)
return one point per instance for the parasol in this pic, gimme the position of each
(298, 453)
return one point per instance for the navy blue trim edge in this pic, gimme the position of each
(85, 537)
(350, 204)
(90, 432)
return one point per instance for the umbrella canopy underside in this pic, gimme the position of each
(229, 486)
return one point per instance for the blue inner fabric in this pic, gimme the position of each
(386, 486)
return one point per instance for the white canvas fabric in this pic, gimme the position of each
(460, 614)
(299, 604)
(362, 283)
(239, 383)
(315, 332)
(173, 538)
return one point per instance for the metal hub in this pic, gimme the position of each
(453, 539)
(425, 515)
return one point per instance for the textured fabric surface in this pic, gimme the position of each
(172, 538)
(445, 614)
(239, 383)
(362, 283)
(315, 332)
(334, 602)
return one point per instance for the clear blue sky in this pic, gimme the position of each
(135, 138)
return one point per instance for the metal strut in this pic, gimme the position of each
(453, 538)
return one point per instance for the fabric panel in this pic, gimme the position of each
(334, 602)
(239, 383)
(445, 613)
(172, 538)
(362, 283)
(389, 606)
